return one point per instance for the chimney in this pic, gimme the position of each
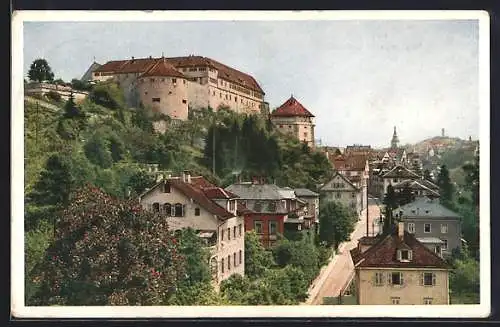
(401, 230)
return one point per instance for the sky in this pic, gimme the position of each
(359, 78)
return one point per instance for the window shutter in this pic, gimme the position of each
(183, 210)
(410, 254)
(433, 279)
(401, 278)
(389, 279)
(399, 255)
(172, 211)
(374, 279)
(422, 280)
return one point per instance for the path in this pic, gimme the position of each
(335, 275)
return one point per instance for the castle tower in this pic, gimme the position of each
(163, 89)
(294, 119)
(395, 139)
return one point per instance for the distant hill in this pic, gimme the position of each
(440, 143)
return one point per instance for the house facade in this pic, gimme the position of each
(271, 210)
(292, 118)
(311, 216)
(342, 190)
(195, 82)
(418, 187)
(192, 202)
(398, 269)
(393, 176)
(430, 222)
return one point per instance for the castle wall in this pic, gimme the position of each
(166, 95)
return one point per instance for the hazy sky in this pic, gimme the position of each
(359, 78)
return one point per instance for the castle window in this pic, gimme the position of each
(146, 93)
(235, 99)
(184, 81)
(220, 94)
(196, 211)
(184, 101)
(151, 79)
(241, 100)
(174, 80)
(163, 80)
(213, 93)
(155, 99)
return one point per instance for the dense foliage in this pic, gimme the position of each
(108, 251)
(40, 71)
(336, 223)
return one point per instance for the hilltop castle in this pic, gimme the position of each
(172, 85)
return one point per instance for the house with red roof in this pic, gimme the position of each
(396, 268)
(292, 118)
(193, 202)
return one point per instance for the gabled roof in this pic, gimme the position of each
(400, 172)
(383, 254)
(344, 178)
(291, 108)
(218, 193)
(425, 207)
(88, 74)
(193, 191)
(304, 192)
(418, 185)
(353, 162)
(162, 68)
(141, 65)
(250, 191)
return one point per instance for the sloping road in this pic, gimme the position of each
(337, 273)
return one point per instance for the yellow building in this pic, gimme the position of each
(395, 268)
(294, 119)
(202, 83)
(193, 202)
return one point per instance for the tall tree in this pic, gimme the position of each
(257, 258)
(109, 252)
(40, 71)
(390, 203)
(445, 186)
(336, 223)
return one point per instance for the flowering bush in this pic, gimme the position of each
(109, 252)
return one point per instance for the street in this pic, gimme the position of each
(336, 274)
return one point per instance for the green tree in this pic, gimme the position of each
(445, 187)
(336, 223)
(390, 203)
(108, 95)
(257, 258)
(97, 151)
(40, 71)
(140, 180)
(464, 279)
(109, 252)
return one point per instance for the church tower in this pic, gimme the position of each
(395, 139)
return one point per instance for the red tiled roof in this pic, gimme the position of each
(141, 65)
(162, 68)
(291, 108)
(225, 72)
(199, 197)
(217, 193)
(355, 162)
(383, 254)
(201, 182)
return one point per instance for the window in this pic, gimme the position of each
(235, 99)
(258, 227)
(395, 180)
(241, 256)
(184, 101)
(271, 206)
(444, 228)
(222, 265)
(229, 234)
(231, 205)
(151, 79)
(427, 300)
(213, 94)
(396, 278)
(353, 195)
(258, 206)
(428, 279)
(411, 228)
(273, 228)
(305, 134)
(155, 99)
(166, 188)
(167, 209)
(427, 228)
(163, 80)
(404, 255)
(178, 210)
(445, 244)
(222, 235)
(289, 126)
(338, 195)
(228, 262)
(437, 250)
(196, 211)
(234, 259)
(379, 279)
(156, 207)
(395, 300)
(234, 234)
(240, 229)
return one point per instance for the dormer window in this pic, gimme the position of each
(404, 255)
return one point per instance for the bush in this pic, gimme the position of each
(54, 96)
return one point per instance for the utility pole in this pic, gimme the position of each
(213, 147)
(36, 125)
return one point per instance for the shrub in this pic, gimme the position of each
(53, 95)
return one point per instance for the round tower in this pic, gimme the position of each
(163, 89)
